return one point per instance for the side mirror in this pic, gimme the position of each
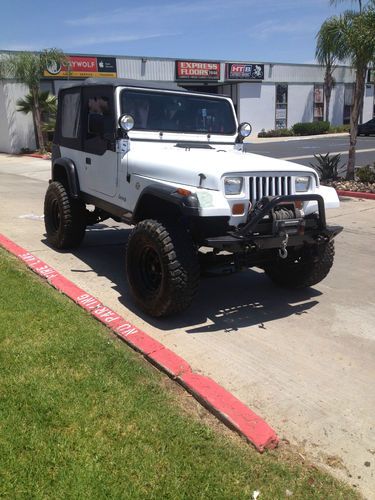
(96, 124)
(244, 130)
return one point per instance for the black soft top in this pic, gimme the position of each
(126, 82)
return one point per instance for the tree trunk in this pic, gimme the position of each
(38, 119)
(328, 86)
(35, 129)
(328, 100)
(354, 118)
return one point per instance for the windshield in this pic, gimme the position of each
(172, 112)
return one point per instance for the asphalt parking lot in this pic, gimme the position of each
(302, 360)
(302, 150)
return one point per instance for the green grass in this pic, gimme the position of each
(83, 416)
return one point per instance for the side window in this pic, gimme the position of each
(70, 115)
(98, 120)
(98, 104)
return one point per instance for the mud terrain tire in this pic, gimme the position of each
(303, 269)
(162, 267)
(64, 218)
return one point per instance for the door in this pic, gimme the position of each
(99, 157)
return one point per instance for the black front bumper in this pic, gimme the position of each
(264, 231)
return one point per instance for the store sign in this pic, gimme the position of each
(243, 71)
(192, 70)
(83, 67)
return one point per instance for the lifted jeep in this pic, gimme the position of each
(171, 163)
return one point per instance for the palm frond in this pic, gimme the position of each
(46, 101)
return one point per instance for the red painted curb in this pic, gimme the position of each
(173, 364)
(356, 194)
(218, 400)
(37, 155)
(231, 410)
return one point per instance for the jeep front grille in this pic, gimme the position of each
(269, 186)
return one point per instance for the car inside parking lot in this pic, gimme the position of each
(367, 128)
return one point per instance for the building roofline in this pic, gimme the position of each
(173, 59)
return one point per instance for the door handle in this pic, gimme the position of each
(88, 161)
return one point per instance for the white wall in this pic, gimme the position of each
(17, 128)
(300, 104)
(256, 105)
(4, 129)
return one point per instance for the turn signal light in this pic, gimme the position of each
(183, 192)
(238, 209)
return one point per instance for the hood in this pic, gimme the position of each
(183, 164)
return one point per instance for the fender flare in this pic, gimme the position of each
(71, 174)
(188, 205)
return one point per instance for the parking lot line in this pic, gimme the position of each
(305, 157)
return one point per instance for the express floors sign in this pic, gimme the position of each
(194, 70)
(83, 67)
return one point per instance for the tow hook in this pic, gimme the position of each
(283, 252)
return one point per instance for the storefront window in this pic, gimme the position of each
(348, 102)
(318, 102)
(281, 106)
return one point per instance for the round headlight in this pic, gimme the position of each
(126, 122)
(244, 129)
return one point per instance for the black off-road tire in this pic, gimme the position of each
(302, 269)
(162, 268)
(64, 217)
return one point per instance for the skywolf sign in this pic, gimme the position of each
(83, 67)
(243, 71)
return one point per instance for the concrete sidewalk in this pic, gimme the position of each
(303, 360)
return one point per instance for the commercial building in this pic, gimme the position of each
(268, 95)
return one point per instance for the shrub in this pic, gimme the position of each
(280, 132)
(366, 174)
(327, 166)
(339, 128)
(308, 128)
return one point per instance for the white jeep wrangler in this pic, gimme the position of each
(171, 163)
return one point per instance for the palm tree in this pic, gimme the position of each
(48, 109)
(352, 39)
(360, 3)
(326, 55)
(27, 68)
(47, 103)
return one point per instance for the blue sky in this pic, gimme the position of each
(235, 30)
